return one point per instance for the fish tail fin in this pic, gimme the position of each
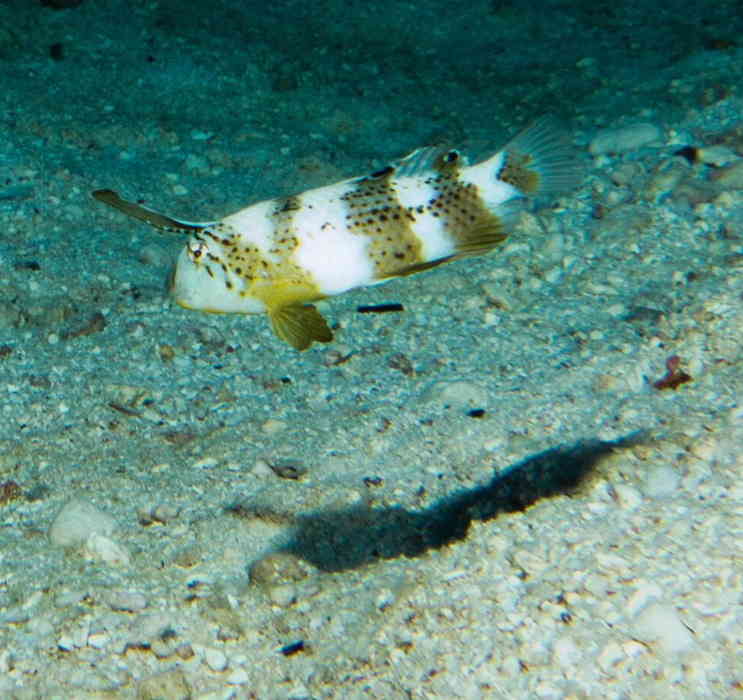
(538, 162)
(149, 216)
(541, 160)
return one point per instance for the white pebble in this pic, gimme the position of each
(102, 548)
(238, 677)
(283, 595)
(128, 601)
(661, 624)
(458, 394)
(624, 139)
(164, 513)
(566, 653)
(153, 255)
(273, 426)
(215, 659)
(65, 598)
(731, 176)
(644, 594)
(146, 627)
(65, 643)
(205, 463)
(6, 661)
(98, 641)
(77, 521)
(661, 482)
(610, 655)
(717, 155)
(627, 496)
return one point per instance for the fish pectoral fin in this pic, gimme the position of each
(299, 325)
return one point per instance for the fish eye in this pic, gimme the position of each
(197, 251)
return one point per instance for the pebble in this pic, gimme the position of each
(6, 661)
(610, 655)
(77, 521)
(161, 513)
(627, 174)
(127, 601)
(624, 139)
(283, 595)
(457, 394)
(645, 594)
(102, 548)
(65, 598)
(566, 653)
(273, 426)
(717, 155)
(163, 648)
(238, 677)
(261, 468)
(661, 482)
(153, 255)
(144, 628)
(730, 176)
(628, 497)
(277, 567)
(661, 624)
(215, 659)
(98, 641)
(205, 463)
(169, 685)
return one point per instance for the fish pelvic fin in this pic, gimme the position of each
(299, 325)
(293, 319)
(149, 216)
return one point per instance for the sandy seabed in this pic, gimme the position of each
(526, 484)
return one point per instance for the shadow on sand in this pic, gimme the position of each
(349, 538)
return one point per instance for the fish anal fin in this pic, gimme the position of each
(417, 267)
(299, 325)
(476, 239)
(482, 236)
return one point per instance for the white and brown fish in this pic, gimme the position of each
(280, 255)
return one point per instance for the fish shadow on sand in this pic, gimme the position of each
(349, 538)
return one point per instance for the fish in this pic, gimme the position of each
(280, 256)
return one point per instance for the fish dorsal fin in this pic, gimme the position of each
(149, 216)
(300, 325)
(428, 159)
